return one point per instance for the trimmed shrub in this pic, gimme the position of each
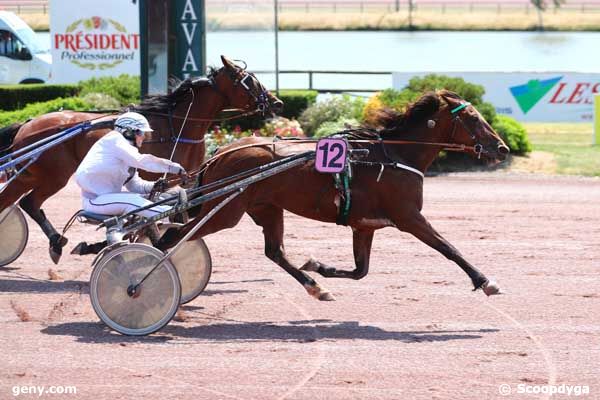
(296, 101)
(37, 109)
(101, 101)
(513, 134)
(331, 127)
(389, 98)
(468, 91)
(126, 89)
(14, 97)
(332, 109)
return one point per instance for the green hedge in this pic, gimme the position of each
(37, 109)
(513, 134)
(296, 101)
(14, 97)
(124, 88)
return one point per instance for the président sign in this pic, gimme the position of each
(93, 39)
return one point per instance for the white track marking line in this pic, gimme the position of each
(321, 357)
(547, 358)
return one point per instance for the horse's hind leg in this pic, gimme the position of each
(418, 226)
(270, 218)
(362, 240)
(32, 203)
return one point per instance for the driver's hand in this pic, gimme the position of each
(160, 186)
(177, 169)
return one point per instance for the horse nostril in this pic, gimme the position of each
(502, 149)
(277, 105)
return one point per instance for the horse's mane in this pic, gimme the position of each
(391, 123)
(7, 135)
(180, 89)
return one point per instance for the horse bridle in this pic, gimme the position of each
(253, 87)
(257, 92)
(477, 147)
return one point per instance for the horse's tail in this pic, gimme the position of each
(7, 135)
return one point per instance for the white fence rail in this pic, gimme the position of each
(41, 6)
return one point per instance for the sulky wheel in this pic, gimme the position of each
(14, 233)
(193, 264)
(121, 305)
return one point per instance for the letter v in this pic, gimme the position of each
(189, 35)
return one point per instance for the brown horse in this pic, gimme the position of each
(189, 110)
(386, 188)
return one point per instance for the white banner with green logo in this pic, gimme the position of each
(548, 96)
(92, 38)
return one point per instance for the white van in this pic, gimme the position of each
(23, 59)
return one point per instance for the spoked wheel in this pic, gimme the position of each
(14, 233)
(193, 264)
(125, 306)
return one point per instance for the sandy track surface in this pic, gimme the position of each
(412, 329)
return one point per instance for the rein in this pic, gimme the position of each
(194, 119)
(59, 127)
(446, 146)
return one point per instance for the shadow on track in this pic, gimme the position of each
(19, 285)
(293, 331)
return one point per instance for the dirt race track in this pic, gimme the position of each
(412, 329)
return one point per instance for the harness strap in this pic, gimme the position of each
(381, 165)
(342, 182)
(187, 141)
(408, 168)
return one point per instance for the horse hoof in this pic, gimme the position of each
(311, 265)
(491, 288)
(80, 249)
(319, 293)
(55, 254)
(326, 296)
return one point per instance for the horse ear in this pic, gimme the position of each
(227, 62)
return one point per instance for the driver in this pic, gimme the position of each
(112, 163)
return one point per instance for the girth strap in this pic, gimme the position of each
(343, 181)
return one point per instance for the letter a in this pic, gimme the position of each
(189, 60)
(188, 9)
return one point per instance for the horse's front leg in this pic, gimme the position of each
(362, 240)
(418, 226)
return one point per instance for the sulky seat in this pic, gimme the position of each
(92, 218)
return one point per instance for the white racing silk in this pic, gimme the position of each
(111, 163)
(107, 167)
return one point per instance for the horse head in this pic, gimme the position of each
(243, 90)
(469, 128)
